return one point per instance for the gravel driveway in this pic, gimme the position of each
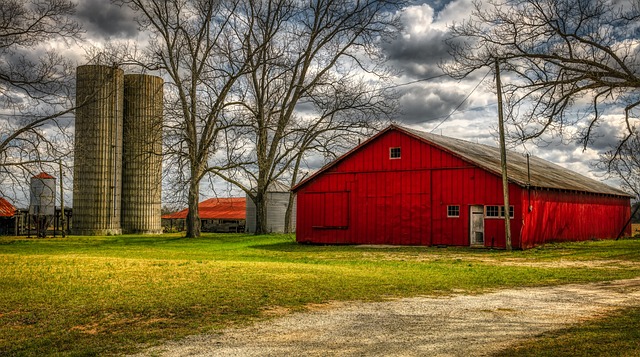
(423, 326)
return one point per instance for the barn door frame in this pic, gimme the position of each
(476, 225)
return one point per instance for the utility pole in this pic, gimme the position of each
(503, 162)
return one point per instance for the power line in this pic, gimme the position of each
(412, 82)
(462, 102)
(460, 111)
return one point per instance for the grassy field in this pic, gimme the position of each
(113, 295)
(616, 335)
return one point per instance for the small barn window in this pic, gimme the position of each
(453, 211)
(492, 211)
(394, 153)
(497, 212)
(510, 211)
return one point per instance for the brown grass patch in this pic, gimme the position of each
(89, 329)
(275, 311)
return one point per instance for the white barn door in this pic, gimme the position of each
(476, 225)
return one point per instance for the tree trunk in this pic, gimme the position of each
(193, 217)
(261, 212)
(288, 215)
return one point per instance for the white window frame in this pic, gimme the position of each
(391, 150)
(453, 207)
(500, 211)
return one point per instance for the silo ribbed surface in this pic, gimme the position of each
(142, 154)
(98, 150)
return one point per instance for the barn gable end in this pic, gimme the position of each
(401, 187)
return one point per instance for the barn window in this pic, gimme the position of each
(497, 212)
(510, 211)
(394, 153)
(492, 211)
(453, 211)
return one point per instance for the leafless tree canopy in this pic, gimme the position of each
(239, 72)
(194, 44)
(302, 84)
(571, 61)
(624, 165)
(35, 88)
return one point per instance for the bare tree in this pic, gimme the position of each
(570, 61)
(344, 114)
(194, 44)
(36, 88)
(295, 50)
(623, 164)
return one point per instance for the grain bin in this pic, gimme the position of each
(42, 195)
(277, 201)
(142, 154)
(98, 150)
(42, 202)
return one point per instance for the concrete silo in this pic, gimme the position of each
(42, 201)
(142, 154)
(98, 150)
(277, 201)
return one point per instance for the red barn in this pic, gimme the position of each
(408, 187)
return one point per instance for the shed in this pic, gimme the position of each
(408, 187)
(216, 215)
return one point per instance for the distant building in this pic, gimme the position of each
(8, 218)
(216, 215)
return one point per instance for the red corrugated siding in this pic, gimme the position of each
(403, 201)
(566, 216)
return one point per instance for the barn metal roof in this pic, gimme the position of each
(6, 208)
(216, 208)
(543, 174)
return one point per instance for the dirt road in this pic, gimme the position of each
(450, 326)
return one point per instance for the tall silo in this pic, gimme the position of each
(277, 201)
(142, 154)
(97, 168)
(42, 201)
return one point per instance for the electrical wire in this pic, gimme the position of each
(459, 105)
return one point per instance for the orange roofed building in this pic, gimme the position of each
(8, 217)
(216, 215)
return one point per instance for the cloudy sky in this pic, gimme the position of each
(432, 102)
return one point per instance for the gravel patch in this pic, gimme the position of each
(461, 325)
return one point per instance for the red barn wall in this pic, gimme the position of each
(567, 216)
(370, 199)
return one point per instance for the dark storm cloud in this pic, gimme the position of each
(422, 105)
(104, 20)
(419, 55)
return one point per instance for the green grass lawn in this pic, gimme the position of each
(113, 295)
(615, 335)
